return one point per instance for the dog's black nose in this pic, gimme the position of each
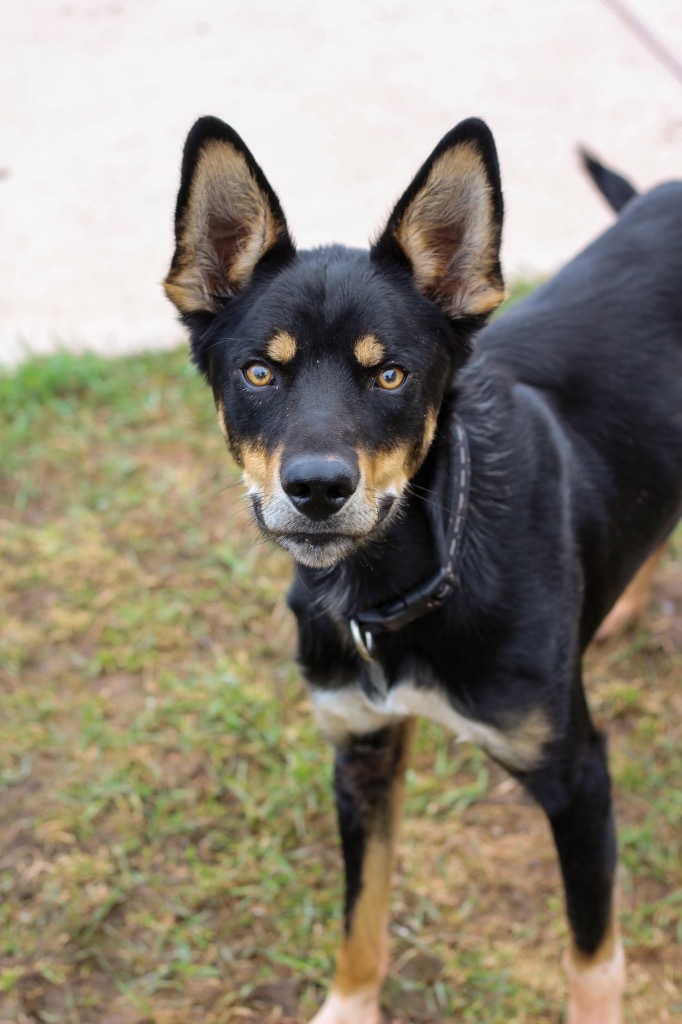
(319, 485)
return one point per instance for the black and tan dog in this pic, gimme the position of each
(464, 506)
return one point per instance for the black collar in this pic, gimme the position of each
(434, 591)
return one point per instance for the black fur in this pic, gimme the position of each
(616, 189)
(572, 404)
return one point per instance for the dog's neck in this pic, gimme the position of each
(400, 558)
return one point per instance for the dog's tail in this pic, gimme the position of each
(616, 189)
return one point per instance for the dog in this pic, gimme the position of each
(464, 503)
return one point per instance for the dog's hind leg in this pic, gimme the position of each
(632, 601)
(577, 799)
(369, 783)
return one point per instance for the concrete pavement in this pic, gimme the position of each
(340, 103)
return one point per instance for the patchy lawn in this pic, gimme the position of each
(167, 838)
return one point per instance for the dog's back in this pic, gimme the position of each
(602, 341)
(625, 287)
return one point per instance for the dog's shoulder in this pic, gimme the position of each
(664, 201)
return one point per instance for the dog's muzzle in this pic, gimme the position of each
(320, 509)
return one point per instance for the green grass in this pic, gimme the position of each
(167, 835)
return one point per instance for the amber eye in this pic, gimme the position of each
(258, 374)
(390, 378)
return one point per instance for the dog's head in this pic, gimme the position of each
(328, 367)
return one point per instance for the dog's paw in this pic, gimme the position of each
(594, 1013)
(596, 993)
(358, 1008)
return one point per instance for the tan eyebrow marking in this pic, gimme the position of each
(282, 347)
(369, 351)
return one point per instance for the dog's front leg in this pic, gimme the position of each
(368, 783)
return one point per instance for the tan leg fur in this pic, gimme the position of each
(632, 601)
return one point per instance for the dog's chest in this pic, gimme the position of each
(351, 712)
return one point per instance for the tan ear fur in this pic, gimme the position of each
(227, 227)
(450, 235)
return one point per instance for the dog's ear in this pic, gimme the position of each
(447, 226)
(227, 220)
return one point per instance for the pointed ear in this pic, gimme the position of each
(227, 219)
(448, 225)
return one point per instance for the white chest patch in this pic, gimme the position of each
(349, 712)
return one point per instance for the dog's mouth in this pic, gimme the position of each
(318, 551)
(317, 540)
(321, 545)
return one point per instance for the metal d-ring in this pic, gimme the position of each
(364, 643)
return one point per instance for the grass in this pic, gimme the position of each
(167, 836)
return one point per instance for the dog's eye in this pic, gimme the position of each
(390, 378)
(258, 374)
